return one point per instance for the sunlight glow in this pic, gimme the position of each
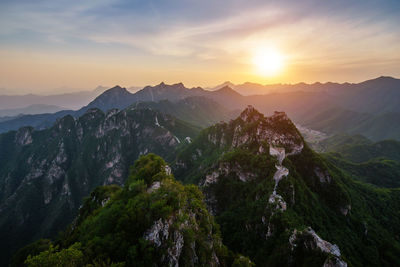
(268, 62)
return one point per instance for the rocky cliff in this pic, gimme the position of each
(47, 173)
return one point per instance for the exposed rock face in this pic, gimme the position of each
(273, 130)
(323, 176)
(334, 262)
(257, 174)
(163, 235)
(159, 232)
(264, 130)
(168, 234)
(226, 168)
(24, 136)
(156, 185)
(309, 239)
(62, 164)
(281, 172)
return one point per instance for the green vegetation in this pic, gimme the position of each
(375, 163)
(362, 220)
(141, 225)
(197, 110)
(154, 220)
(45, 174)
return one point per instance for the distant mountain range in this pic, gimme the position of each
(32, 109)
(120, 98)
(369, 108)
(68, 100)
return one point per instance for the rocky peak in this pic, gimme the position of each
(277, 130)
(165, 86)
(280, 115)
(250, 114)
(251, 127)
(180, 85)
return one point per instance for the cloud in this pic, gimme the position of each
(218, 33)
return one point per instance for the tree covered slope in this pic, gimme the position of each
(282, 204)
(151, 221)
(276, 201)
(375, 163)
(45, 174)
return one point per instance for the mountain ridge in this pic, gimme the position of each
(374, 104)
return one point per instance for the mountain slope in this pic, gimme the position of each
(197, 110)
(376, 163)
(375, 96)
(45, 174)
(357, 148)
(338, 120)
(369, 108)
(282, 204)
(118, 97)
(380, 172)
(152, 221)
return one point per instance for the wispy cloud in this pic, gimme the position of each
(309, 31)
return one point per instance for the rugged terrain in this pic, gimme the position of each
(45, 174)
(275, 200)
(278, 202)
(369, 108)
(151, 221)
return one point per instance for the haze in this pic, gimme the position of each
(81, 44)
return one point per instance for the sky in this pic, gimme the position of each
(55, 45)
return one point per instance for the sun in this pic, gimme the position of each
(268, 62)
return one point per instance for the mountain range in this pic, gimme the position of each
(73, 100)
(45, 174)
(179, 176)
(369, 108)
(275, 201)
(32, 109)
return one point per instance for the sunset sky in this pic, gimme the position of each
(82, 44)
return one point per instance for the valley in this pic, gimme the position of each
(258, 178)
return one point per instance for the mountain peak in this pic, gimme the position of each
(382, 79)
(226, 83)
(116, 97)
(115, 89)
(385, 78)
(180, 85)
(250, 114)
(227, 90)
(163, 85)
(280, 115)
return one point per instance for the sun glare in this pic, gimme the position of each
(268, 62)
